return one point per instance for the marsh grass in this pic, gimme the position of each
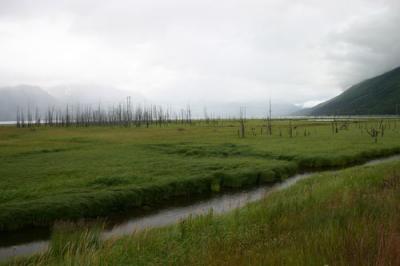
(74, 238)
(70, 173)
(347, 217)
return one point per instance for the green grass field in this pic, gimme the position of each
(347, 217)
(49, 174)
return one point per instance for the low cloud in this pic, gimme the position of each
(200, 51)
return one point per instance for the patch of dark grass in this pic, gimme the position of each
(41, 151)
(80, 140)
(315, 162)
(250, 177)
(222, 150)
(108, 181)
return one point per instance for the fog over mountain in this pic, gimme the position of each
(34, 98)
(179, 52)
(23, 96)
(375, 96)
(93, 94)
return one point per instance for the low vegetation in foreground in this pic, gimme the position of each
(347, 217)
(66, 173)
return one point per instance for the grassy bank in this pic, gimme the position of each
(68, 173)
(348, 217)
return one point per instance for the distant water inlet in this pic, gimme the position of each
(37, 240)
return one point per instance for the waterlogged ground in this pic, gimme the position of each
(68, 173)
(346, 217)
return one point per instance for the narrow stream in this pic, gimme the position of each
(28, 242)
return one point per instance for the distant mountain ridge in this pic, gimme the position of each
(23, 97)
(92, 94)
(26, 97)
(375, 96)
(32, 97)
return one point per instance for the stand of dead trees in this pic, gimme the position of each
(124, 115)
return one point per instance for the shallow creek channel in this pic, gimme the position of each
(31, 241)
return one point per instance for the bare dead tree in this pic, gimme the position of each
(37, 118)
(269, 119)
(242, 120)
(373, 133)
(18, 118)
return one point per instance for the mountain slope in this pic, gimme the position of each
(27, 96)
(22, 96)
(93, 94)
(376, 96)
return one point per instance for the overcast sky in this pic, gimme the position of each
(301, 51)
